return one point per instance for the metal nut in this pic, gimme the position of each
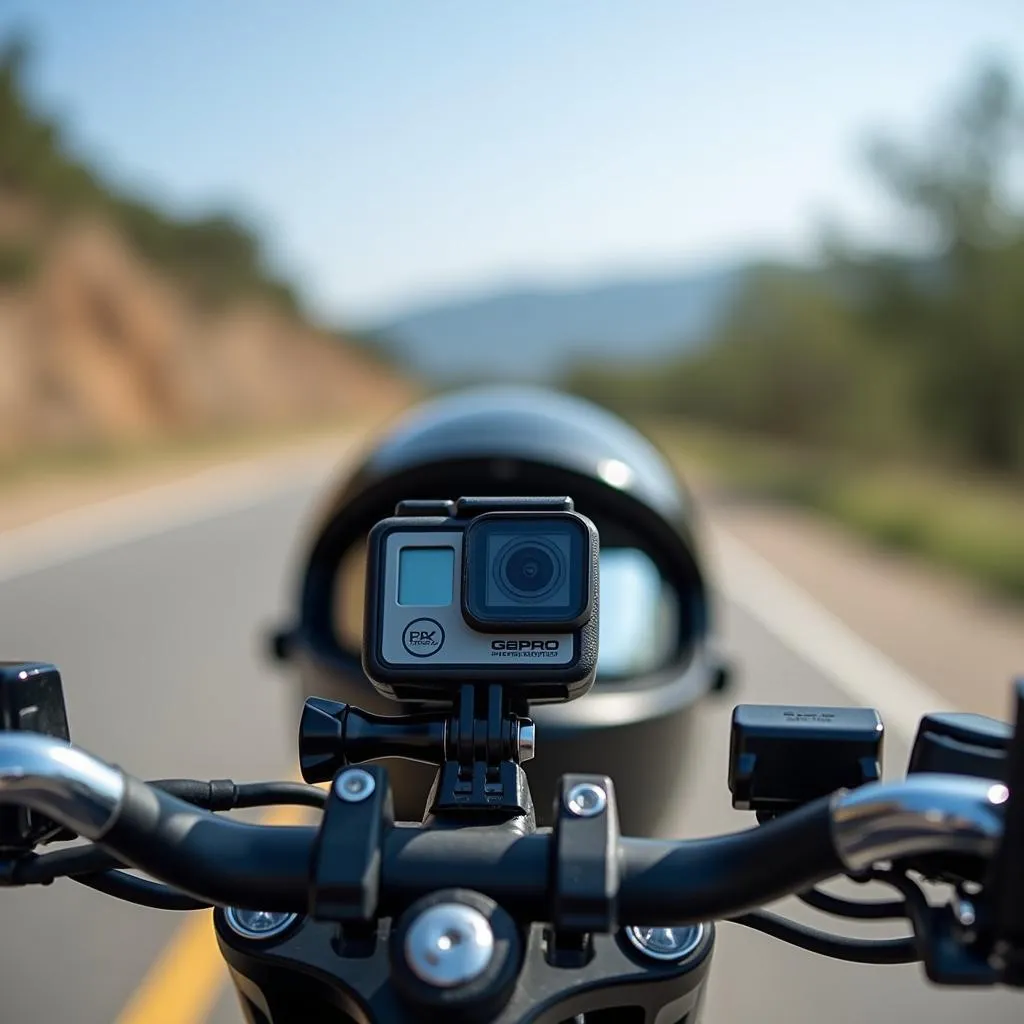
(449, 945)
(354, 786)
(586, 800)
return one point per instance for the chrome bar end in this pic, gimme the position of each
(64, 783)
(925, 813)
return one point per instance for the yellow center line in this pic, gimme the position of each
(184, 983)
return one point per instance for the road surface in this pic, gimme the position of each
(156, 628)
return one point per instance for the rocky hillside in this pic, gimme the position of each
(97, 346)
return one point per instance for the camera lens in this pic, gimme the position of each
(528, 569)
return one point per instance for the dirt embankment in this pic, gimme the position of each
(98, 347)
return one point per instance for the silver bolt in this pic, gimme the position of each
(586, 800)
(257, 924)
(354, 786)
(998, 794)
(449, 945)
(666, 943)
(965, 914)
(527, 740)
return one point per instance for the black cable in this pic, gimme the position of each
(215, 795)
(265, 794)
(877, 910)
(857, 951)
(70, 863)
(226, 795)
(220, 794)
(199, 852)
(140, 891)
(93, 866)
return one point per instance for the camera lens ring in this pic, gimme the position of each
(533, 549)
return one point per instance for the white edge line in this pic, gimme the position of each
(861, 671)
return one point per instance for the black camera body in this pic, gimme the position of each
(482, 590)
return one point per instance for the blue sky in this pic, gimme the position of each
(393, 151)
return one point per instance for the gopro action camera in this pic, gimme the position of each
(483, 590)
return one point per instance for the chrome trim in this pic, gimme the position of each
(449, 944)
(526, 741)
(692, 936)
(966, 915)
(921, 814)
(586, 800)
(235, 923)
(60, 781)
(354, 785)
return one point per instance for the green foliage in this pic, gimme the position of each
(967, 523)
(216, 257)
(17, 263)
(874, 352)
(31, 158)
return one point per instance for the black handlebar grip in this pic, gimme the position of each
(213, 859)
(669, 883)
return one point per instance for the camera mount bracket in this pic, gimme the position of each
(479, 746)
(482, 769)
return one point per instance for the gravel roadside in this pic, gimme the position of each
(956, 638)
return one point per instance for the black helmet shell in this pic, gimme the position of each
(536, 425)
(520, 440)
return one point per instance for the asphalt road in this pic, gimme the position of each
(158, 639)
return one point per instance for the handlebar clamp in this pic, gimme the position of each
(348, 852)
(585, 851)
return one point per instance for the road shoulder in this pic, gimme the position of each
(59, 490)
(957, 639)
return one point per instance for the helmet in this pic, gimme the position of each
(655, 660)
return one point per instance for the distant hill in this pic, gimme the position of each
(535, 333)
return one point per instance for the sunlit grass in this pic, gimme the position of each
(101, 459)
(971, 524)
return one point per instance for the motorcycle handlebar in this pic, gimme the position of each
(661, 882)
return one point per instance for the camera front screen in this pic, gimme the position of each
(426, 576)
(526, 569)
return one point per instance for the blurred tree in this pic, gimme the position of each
(32, 157)
(961, 182)
(878, 350)
(962, 320)
(785, 363)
